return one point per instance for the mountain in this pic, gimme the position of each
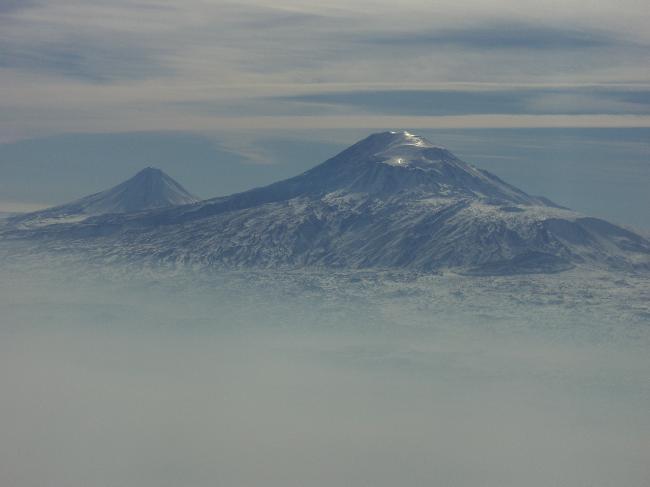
(392, 200)
(149, 189)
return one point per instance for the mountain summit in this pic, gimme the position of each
(149, 189)
(392, 200)
(390, 162)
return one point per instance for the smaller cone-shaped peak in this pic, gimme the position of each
(151, 172)
(148, 189)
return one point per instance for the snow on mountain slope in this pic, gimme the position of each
(387, 163)
(148, 189)
(393, 200)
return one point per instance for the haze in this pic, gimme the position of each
(118, 372)
(240, 380)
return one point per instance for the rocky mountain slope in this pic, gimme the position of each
(392, 200)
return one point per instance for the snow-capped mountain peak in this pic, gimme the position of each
(398, 138)
(392, 200)
(387, 163)
(393, 142)
(149, 189)
(401, 148)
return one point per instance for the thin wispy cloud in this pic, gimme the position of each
(504, 36)
(560, 101)
(74, 65)
(96, 61)
(9, 6)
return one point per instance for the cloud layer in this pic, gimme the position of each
(70, 66)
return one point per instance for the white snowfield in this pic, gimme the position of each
(392, 200)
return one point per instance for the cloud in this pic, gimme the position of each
(74, 66)
(10, 6)
(89, 60)
(82, 42)
(253, 379)
(572, 101)
(421, 102)
(267, 17)
(502, 35)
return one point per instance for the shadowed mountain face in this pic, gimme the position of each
(149, 189)
(393, 200)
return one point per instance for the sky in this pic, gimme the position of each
(240, 75)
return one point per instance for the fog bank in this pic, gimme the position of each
(296, 380)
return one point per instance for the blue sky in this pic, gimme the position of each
(247, 78)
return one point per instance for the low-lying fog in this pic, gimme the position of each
(243, 380)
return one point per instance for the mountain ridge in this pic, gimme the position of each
(392, 200)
